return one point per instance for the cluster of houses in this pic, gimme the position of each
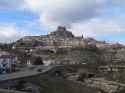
(61, 38)
(7, 62)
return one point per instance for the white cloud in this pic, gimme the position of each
(82, 15)
(9, 33)
(99, 27)
(67, 12)
(121, 2)
(62, 12)
(13, 4)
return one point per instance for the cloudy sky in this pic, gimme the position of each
(101, 19)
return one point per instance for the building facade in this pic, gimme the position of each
(7, 62)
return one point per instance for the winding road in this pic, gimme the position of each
(25, 73)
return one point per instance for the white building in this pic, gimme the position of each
(7, 62)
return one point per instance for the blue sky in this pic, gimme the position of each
(100, 19)
(21, 19)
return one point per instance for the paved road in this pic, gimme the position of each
(25, 73)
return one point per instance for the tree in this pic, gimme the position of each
(38, 61)
(81, 77)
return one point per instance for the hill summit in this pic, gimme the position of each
(62, 32)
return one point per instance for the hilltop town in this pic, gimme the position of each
(67, 46)
(61, 38)
(35, 63)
